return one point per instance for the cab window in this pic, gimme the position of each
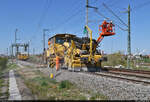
(59, 40)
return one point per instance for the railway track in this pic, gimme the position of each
(127, 79)
(130, 74)
(127, 70)
(135, 76)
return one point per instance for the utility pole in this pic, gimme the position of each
(28, 48)
(128, 38)
(12, 50)
(16, 36)
(10, 53)
(129, 42)
(44, 30)
(16, 52)
(87, 4)
(7, 52)
(33, 51)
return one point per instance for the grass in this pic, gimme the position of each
(45, 88)
(3, 66)
(141, 68)
(146, 60)
(1, 83)
(10, 66)
(115, 59)
(65, 84)
(1, 86)
(48, 89)
(98, 96)
(3, 63)
(119, 59)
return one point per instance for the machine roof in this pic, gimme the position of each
(62, 35)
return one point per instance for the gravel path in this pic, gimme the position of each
(13, 89)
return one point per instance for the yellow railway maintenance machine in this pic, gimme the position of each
(74, 53)
(21, 55)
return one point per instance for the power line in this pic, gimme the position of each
(109, 19)
(43, 15)
(115, 15)
(110, 4)
(140, 5)
(69, 18)
(75, 6)
(48, 3)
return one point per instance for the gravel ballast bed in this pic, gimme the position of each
(114, 89)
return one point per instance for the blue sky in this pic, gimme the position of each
(30, 17)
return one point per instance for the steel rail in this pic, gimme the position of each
(118, 77)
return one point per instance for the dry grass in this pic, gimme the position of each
(48, 89)
(45, 88)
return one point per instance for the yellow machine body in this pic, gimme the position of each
(74, 53)
(22, 56)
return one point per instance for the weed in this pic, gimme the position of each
(98, 96)
(11, 66)
(45, 88)
(3, 63)
(44, 83)
(44, 80)
(51, 98)
(82, 97)
(1, 83)
(65, 84)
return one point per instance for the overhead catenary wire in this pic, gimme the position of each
(75, 6)
(109, 19)
(102, 9)
(43, 15)
(68, 19)
(140, 5)
(47, 6)
(74, 9)
(115, 15)
(39, 24)
(45, 10)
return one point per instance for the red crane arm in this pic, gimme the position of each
(106, 29)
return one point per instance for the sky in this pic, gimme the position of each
(30, 17)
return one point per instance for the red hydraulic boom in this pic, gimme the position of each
(106, 29)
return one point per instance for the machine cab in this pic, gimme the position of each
(60, 38)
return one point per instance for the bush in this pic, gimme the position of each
(44, 83)
(115, 59)
(65, 84)
(3, 63)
